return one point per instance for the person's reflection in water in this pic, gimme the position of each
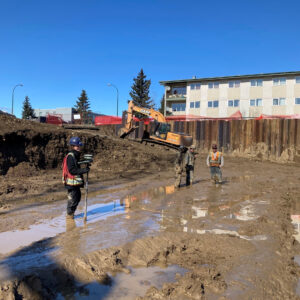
(71, 240)
(70, 224)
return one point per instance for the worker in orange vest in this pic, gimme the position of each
(215, 161)
(73, 175)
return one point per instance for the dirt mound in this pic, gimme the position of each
(11, 124)
(23, 169)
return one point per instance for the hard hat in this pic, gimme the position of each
(75, 141)
(214, 146)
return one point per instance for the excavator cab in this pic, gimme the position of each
(161, 130)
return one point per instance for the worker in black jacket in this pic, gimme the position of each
(72, 175)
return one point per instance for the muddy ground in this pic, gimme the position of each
(143, 238)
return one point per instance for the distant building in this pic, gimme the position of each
(68, 114)
(220, 97)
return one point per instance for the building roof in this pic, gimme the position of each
(251, 76)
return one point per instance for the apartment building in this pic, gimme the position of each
(221, 97)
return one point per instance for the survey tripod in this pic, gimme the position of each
(88, 159)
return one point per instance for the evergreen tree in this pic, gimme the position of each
(162, 105)
(28, 111)
(140, 91)
(82, 106)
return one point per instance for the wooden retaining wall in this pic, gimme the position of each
(268, 139)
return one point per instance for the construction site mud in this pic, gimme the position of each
(143, 238)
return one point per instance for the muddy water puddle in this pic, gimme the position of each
(295, 218)
(141, 213)
(125, 286)
(12, 240)
(117, 217)
(297, 261)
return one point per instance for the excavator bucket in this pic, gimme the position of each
(123, 132)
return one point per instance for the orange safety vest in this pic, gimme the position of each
(215, 161)
(67, 177)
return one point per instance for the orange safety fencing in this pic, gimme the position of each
(271, 117)
(236, 116)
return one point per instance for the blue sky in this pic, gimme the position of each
(57, 48)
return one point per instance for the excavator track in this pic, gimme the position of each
(160, 143)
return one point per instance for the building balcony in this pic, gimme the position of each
(176, 97)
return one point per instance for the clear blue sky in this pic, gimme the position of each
(56, 48)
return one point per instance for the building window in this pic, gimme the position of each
(213, 85)
(297, 100)
(256, 102)
(233, 84)
(234, 103)
(279, 101)
(256, 82)
(192, 104)
(179, 90)
(195, 86)
(197, 104)
(178, 106)
(279, 81)
(298, 79)
(214, 103)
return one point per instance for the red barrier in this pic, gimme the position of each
(113, 120)
(107, 120)
(55, 120)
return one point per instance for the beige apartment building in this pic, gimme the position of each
(221, 97)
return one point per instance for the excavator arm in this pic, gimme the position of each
(133, 108)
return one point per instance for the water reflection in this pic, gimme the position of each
(126, 286)
(246, 213)
(145, 197)
(295, 217)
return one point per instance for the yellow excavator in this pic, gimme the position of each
(160, 133)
